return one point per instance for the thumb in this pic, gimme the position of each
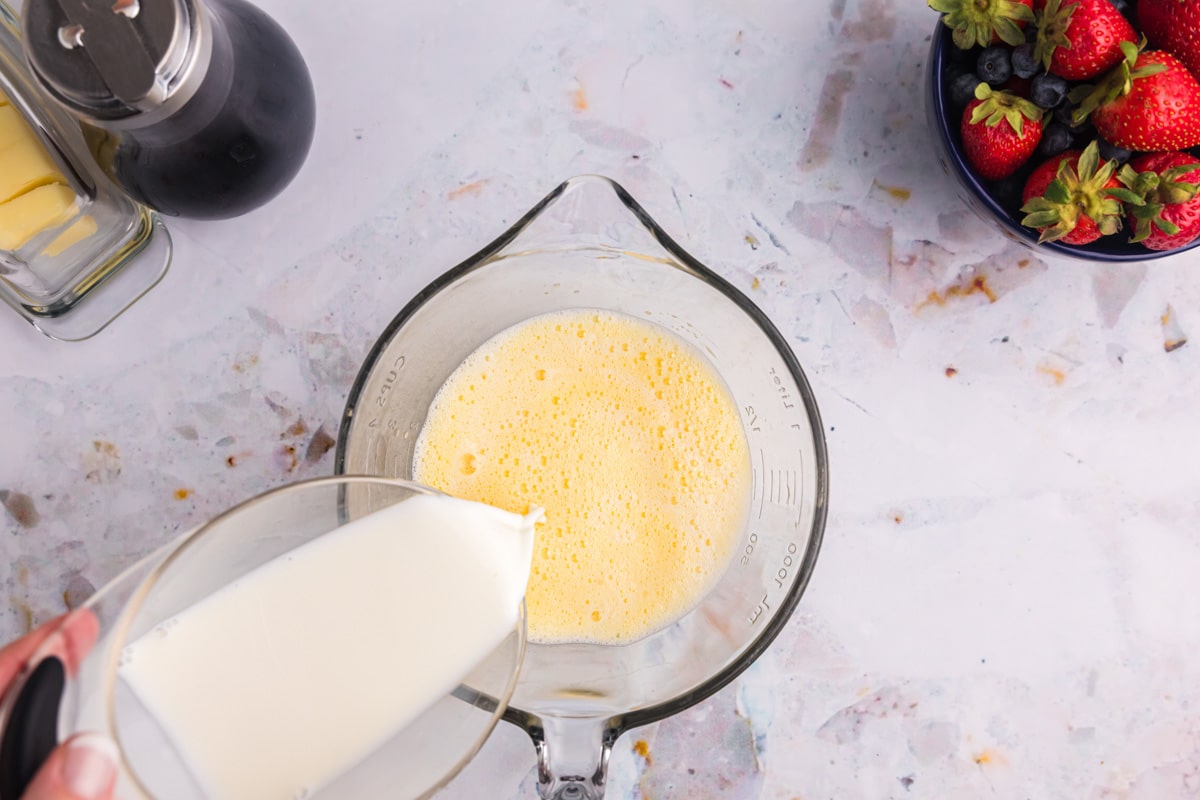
(82, 768)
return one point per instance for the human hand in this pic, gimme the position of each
(85, 766)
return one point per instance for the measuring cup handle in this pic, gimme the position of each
(573, 757)
(29, 725)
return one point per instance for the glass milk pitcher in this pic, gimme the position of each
(79, 679)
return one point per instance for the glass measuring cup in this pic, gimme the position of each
(590, 245)
(62, 694)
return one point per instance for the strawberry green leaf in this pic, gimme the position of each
(1176, 193)
(1130, 178)
(1040, 219)
(1057, 191)
(1127, 196)
(964, 39)
(1055, 220)
(1002, 106)
(1056, 232)
(1166, 226)
(1148, 217)
(1108, 208)
(1089, 160)
(973, 22)
(1077, 190)
(1141, 231)
(1147, 71)
(1009, 32)
(1108, 225)
(1173, 191)
(1036, 204)
(1052, 30)
(1117, 82)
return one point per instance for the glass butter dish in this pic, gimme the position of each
(75, 251)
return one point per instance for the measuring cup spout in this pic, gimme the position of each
(572, 757)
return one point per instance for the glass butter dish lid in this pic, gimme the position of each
(75, 251)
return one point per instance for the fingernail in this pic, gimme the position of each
(90, 768)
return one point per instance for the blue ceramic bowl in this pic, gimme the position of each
(945, 121)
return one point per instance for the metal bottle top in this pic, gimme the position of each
(118, 63)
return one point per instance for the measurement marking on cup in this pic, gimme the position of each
(789, 560)
(762, 496)
(782, 483)
(783, 488)
(748, 551)
(754, 486)
(785, 397)
(752, 420)
(799, 506)
(374, 446)
(780, 577)
(758, 611)
(389, 381)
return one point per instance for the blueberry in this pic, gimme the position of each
(1055, 139)
(962, 89)
(1031, 33)
(1048, 91)
(994, 65)
(1108, 152)
(1023, 63)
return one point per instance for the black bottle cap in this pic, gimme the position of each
(111, 60)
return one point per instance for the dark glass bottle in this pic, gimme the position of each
(198, 108)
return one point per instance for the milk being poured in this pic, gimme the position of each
(279, 682)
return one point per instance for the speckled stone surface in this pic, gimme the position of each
(1005, 605)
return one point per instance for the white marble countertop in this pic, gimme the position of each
(1005, 604)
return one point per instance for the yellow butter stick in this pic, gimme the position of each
(24, 162)
(81, 229)
(26, 216)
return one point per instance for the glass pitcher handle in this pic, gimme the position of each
(572, 757)
(29, 729)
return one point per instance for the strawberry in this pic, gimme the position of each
(1072, 198)
(1174, 26)
(1167, 184)
(1000, 131)
(985, 22)
(1079, 39)
(1148, 102)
